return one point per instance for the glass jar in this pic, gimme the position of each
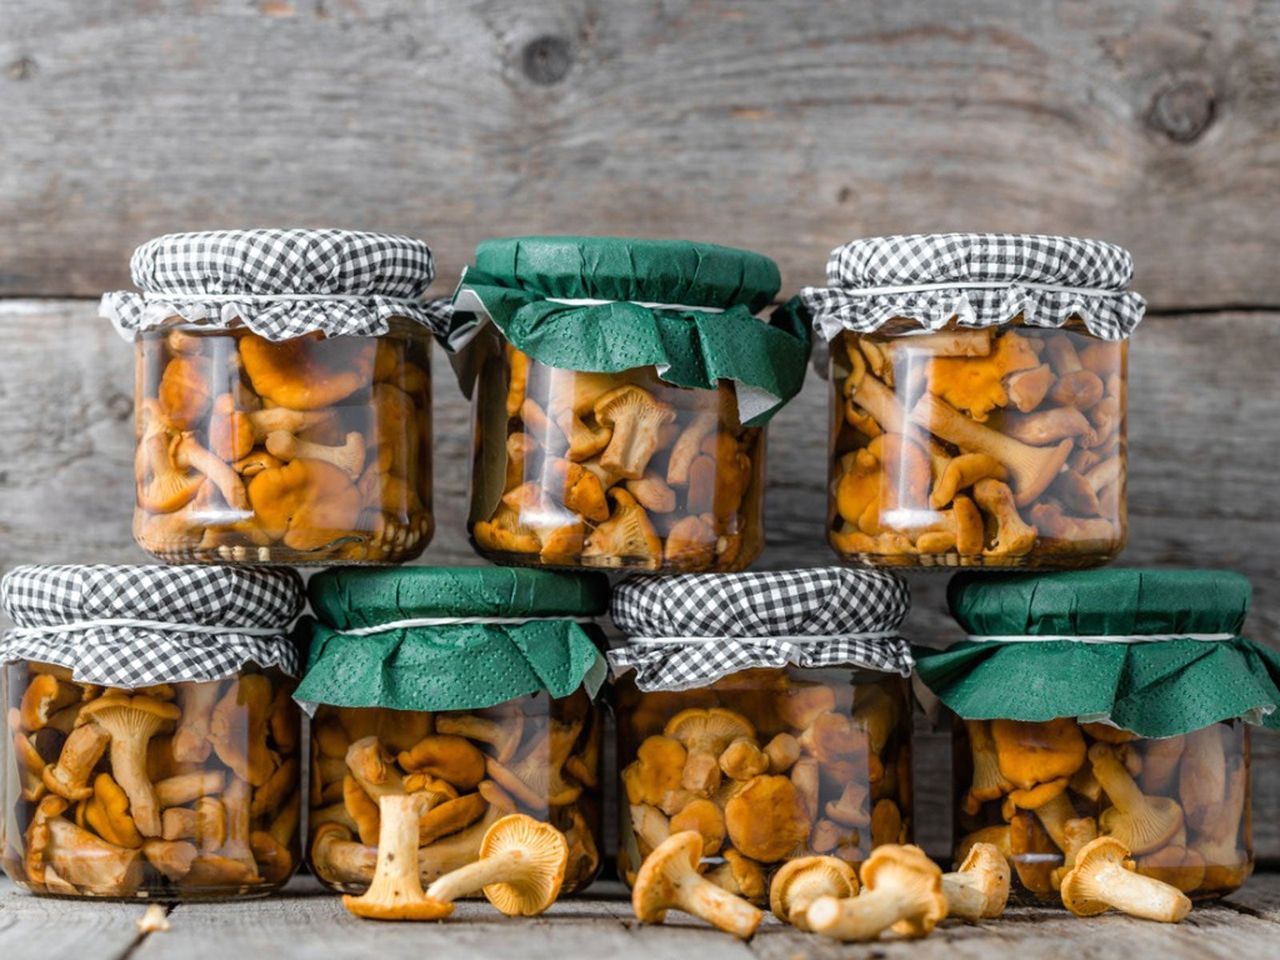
(991, 447)
(612, 470)
(768, 764)
(1041, 791)
(179, 791)
(536, 755)
(301, 451)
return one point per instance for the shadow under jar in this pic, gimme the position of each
(620, 392)
(979, 400)
(536, 755)
(617, 470)
(282, 396)
(1181, 805)
(472, 687)
(180, 790)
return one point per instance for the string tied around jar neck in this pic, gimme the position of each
(1121, 638)
(76, 626)
(413, 622)
(798, 639)
(978, 285)
(167, 297)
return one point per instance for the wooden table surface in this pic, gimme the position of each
(307, 922)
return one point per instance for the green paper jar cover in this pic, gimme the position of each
(606, 304)
(1156, 652)
(354, 662)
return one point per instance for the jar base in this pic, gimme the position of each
(952, 561)
(276, 555)
(609, 564)
(166, 897)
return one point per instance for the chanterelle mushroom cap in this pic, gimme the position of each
(902, 891)
(396, 891)
(628, 534)
(238, 729)
(705, 733)
(636, 418)
(308, 372)
(452, 758)
(1032, 753)
(656, 772)
(798, 883)
(1141, 823)
(1104, 877)
(669, 879)
(980, 888)
(767, 818)
(521, 868)
(132, 722)
(305, 503)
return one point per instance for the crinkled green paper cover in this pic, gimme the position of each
(1155, 689)
(458, 666)
(692, 348)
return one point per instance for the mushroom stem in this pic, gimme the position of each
(1135, 894)
(1032, 468)
(129, 766)
(189, 453)
(964, 898)
(879, 401)
(396, 891)
(858, 918)
(702, 898)
(507, 865)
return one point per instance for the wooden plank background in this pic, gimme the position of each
(787, 126)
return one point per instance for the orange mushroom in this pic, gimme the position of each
(766, 820)
(635, 418)
(307, 504)
(1034, 753)
(976, 384)
(308, 372)
(627, 536)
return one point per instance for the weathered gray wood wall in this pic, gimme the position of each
(786, 126)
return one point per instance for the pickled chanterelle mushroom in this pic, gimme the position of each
(619, 470)
(765, 766)
(144, 792)
(467, 770)
(994, 446)
(303, 450)
(1043, 792)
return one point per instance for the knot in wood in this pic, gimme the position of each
(1183, 110)
(546, 59)
(23, 68)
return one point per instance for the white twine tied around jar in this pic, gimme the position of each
(1100, 638)
(167, 297)
(978, 285)
(135, 623)
(412, 622)
(798, 639)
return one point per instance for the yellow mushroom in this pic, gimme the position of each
(979, 889)
(902, 891)
(520, 870)
(798, 883)
(669, 879)
(1104, 878)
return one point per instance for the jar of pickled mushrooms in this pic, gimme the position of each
(769, 712)
(154, 738)
(283, 395)
(978, 399)
(621, 393)
(475, 687)
(1110, 703)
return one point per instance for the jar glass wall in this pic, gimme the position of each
(993, 447)
(612, 470)
(536, 755)
(768, 764)
(185, 791)
(302, 451)
(1041, 791)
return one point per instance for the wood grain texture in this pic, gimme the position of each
(787, 127)
(1204, 428)
(306, 922)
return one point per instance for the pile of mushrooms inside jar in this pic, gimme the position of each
(468, 771)
(999, 446)
(188, 789)
(622, 470)
(301, 450)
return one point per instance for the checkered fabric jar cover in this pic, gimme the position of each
(75, 616)
(980, 279)
(279, 283)
(690, 630)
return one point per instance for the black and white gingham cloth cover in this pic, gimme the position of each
(748, 614)
(1009, 259)
(225, 597)
(388, 274)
